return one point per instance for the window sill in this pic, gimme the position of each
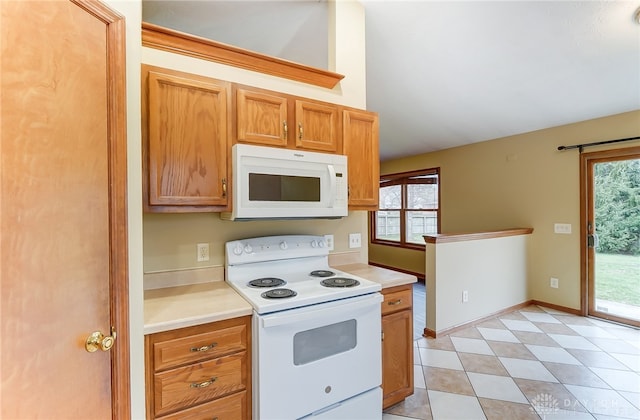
(416, 247)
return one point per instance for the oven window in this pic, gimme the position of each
(268, 187)
(321, 342)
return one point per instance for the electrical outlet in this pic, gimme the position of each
(355, 240)
(329, 240)
(202, 252)
(465, 296)
(553, 282)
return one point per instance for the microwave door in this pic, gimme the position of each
(266, 187)
(285, 192)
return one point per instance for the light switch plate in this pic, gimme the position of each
(355, 240)
(564, 228)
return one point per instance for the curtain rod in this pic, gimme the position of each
(597, 143)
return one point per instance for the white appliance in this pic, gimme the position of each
(316, 350)
(275, 183)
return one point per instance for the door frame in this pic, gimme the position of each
(586, 194)
(118, 247)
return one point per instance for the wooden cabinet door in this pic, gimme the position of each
(63, 266)
(361, 147)
(187, 140)
(397, 357)
(261, 118)
(317, 127)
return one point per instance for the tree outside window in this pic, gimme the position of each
(409, 208)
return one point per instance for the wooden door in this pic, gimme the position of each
(63, 241)
(187, 140)
(261, 118)
(317, 127)
(361, 148)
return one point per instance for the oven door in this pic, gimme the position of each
(309, 359)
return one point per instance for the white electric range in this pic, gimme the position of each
(316, 347)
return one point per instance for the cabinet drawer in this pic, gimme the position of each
(227, 408)
(194, 348)
(397, 300)
(190, 385)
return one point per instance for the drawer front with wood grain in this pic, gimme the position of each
(232, 407)
(397, 299)
(193, 384)
(180, 351)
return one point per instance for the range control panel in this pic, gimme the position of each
(270, 248)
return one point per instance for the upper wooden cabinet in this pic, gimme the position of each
(261, 118)
(318, 127)
(189, 123)
(360, 134)
(186, 141)
(276, 119)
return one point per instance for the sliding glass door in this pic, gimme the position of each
(611, 234)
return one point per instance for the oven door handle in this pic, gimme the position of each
(348, 308)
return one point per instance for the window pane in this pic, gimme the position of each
(421, 223)
(391, 197)
(388, 225)
(422, 196)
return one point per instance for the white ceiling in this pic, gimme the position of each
(447, 73)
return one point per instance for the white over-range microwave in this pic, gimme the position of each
(274, 183)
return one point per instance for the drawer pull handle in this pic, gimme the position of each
(204, 384)
(395, 302)
(203, 348)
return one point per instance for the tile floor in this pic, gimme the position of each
(534, 363)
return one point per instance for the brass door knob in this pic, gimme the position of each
(97, 340)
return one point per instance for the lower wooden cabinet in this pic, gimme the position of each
(397, 344)
(200, 372)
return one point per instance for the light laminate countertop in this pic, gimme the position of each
(170, 308)
(187, 305)
(384, 276)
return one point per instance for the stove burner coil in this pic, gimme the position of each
(321, 273)
(278, 294)
(340, 282)
(266, 282)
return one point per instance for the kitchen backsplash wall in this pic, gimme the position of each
(170, 239)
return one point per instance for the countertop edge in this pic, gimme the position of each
(197, 320)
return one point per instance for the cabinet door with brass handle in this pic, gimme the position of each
(198, 383)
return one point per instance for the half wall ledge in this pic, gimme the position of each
(470, 276)
(441, 238)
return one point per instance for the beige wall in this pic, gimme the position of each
(518, 181)
(493, 272)
(170, 239)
